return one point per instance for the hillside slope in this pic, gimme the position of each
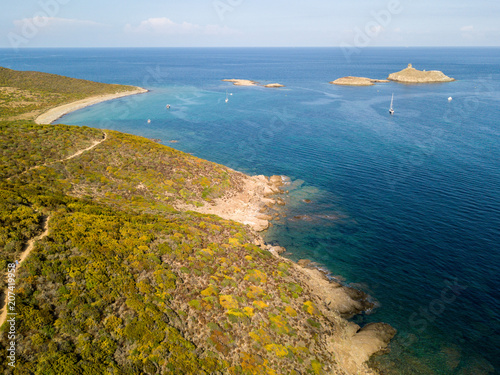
(125, 283)
(25, 95)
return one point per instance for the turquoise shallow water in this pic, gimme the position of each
(405, 207)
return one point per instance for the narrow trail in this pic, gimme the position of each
(78, 153)
(30, 246)
(31, 243)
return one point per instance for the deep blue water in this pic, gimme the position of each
(405, 207)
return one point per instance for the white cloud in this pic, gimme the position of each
(165, 26)
(467, 28)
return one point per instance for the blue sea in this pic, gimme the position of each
(404, 207)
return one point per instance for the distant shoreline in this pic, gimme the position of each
(57, 112)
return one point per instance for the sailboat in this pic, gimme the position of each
(391, 111)
(227, 99)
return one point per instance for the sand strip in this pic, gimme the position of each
(53, 114)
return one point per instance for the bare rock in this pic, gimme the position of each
(260, 225)
(358, 345)
(264, 217)
(276, 181)
(371, 339)
(304, 262)
(268, 191)
(268, 202)
(356, 81)
(241, 82)
(277, 250)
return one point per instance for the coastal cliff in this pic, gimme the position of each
(412, 75)
(130, 277)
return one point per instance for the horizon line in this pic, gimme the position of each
(179, 47)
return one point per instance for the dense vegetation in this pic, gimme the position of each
(31, 145)
(125, 283)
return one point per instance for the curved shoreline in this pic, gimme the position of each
(353, 345)
(57, 112)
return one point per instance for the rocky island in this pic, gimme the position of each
(412, 75)
(274, 85)
(357, 81)
(247, 82)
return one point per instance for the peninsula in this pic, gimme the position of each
(412, 75)
(121, 273)
(357, 81)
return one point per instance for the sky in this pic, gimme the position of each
(248, 23)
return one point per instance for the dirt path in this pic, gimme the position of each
(78, 153)
(30, 246)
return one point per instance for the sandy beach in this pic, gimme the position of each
(53, 114)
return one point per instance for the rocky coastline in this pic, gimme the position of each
(352, 345)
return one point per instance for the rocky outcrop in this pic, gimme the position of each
(357, 81)
(412, 75)
(247, 82)
(359, 344)
(351, 344)
(242, 82)
(273, 85)
(346, 301)
(248, 205)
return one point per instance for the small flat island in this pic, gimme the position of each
(412, 75)
(357, 81)
(247, 82)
